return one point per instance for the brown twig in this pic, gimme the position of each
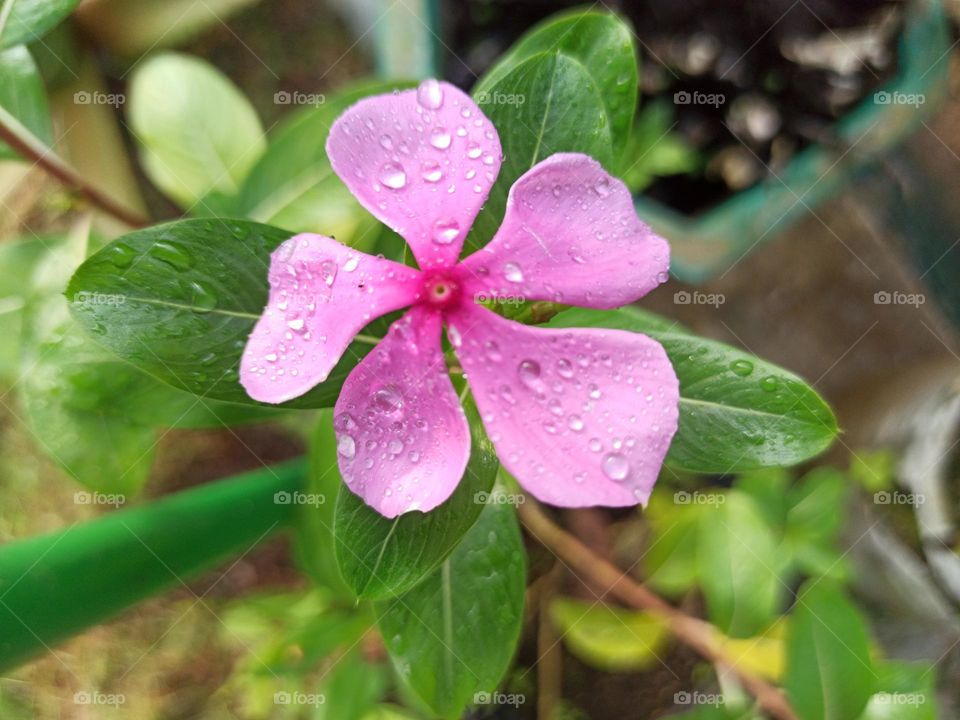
(697, 633)
(30, 148)
(549, 656)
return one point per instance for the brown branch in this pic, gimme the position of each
(28, 147)
(697, 633)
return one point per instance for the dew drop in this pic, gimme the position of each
(387, 399)
(616, 467)
(474, 150)
(351, 264)
(440, 138)
(575, 422)
(445, 231)
(430, 94)
(564, 368)
(432, 172)
(393, 176)
(512, 272)
(529, 373)
(741, 367)
(346, 446)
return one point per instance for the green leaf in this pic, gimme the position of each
(56, 585)
(66, 391)
(31, 19)
(453, 635)
(609, 638)
(313, 526)
(655, 150)
(670, 558)
(829, 672)
(737, 412)
(381, 558)
(351, 688)
(293, 184)
(23, 96)
(601, 43)
(814, 521)
(197, 132)
(736, 562)
(906, 693)
(562, 111)
(179, 300)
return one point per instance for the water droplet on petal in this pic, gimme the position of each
(493, 351)
(512, 272)
(602, 187)
(385, 142)
(440, 138)
(432, 172)
(387, 399)
(430, 94)
(575, 422)
(474, 150)
(564, 368)
(529, 374)
(346, 446)
(393, 176)
(351, 264)
(445, 231)
(616, 467)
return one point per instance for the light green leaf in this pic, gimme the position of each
(453, 635)
(380, 557)
(737, 561)
(198, 134)
(906, 692)
(144, 294)
(829, 672)
(609, 638)
(294, 186)
(737, 412)
(28, 20)
(23, 96)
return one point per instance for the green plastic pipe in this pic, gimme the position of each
(53, 586)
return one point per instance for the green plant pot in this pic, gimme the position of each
(706, 245)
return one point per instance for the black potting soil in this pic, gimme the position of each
(750, 82)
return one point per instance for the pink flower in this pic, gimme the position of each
(579, 416)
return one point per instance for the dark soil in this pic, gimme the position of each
(785, 72)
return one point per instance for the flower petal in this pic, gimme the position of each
(570, 234)
(322, 294)
(579, 416)
(402, 436)
(422, 161)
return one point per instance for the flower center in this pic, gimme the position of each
(441, 291)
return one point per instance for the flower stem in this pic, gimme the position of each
(29, 147)
(698, 634)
